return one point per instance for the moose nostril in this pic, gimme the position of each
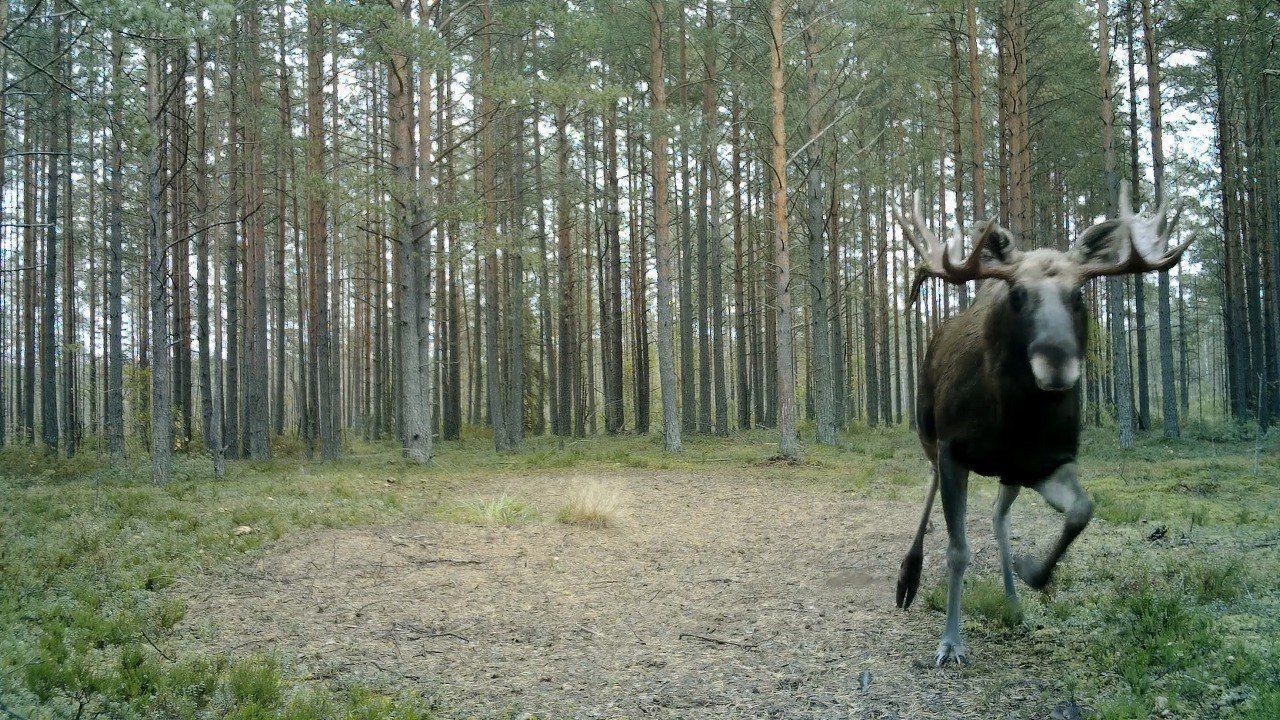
(1054, 367)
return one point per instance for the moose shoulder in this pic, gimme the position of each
(998, 389)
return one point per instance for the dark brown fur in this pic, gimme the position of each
(977, 393)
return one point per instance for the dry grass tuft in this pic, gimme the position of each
(593, 505)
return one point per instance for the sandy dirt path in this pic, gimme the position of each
(709, 598)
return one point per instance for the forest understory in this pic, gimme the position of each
(711, 584)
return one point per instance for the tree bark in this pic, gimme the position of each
(566, 363)
(1168, 391)
(1234, 343)
(30, 265)
(210, 416)
(231, 430)
(255, 390)
(317, 239)
(1139, 282)
(641, 379)
(114, 420)
(739, 278)
(413, 281)
(611, 314)
(976, 144)
(815, 225)
(49, 279)
(161, 387)
(684, 254)
(788, 440)
(711, 158)
(285, 121)
(1119, 337)
(662, 230)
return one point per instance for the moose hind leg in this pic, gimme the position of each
(913, 562)
(1000, 522)
(1061, 490)
(953, 482)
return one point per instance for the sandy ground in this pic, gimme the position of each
(708, 598)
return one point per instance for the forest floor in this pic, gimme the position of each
(709, 596)
(724, 586)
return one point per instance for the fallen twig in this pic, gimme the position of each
(717, 641)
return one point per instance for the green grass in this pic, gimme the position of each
(89, 555)
(1182, 626)
(983, 599)
(500, 511)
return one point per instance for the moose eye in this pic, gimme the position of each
(1017, 298)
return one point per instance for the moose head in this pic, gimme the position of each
(1043, 317)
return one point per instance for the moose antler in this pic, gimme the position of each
(1142, 242)
(940, 260)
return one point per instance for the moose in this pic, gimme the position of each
(998, 389)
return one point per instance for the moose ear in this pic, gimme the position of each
(998, 244)
(1098, 243)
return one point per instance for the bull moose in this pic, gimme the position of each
(998, 389)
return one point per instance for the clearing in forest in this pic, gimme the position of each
(706, 596)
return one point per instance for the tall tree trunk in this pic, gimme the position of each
(684, 254)
(566, 364)
(839, 378)
(69, 397)
(870, 359)
(49, 279)
(1169, 395)
(1013, 36)
(549, 377)
(739, 293)
(210, 414)
(413, 379)
(976, 145)
(788, 440)
(1271, 186)
(30, 265)
(161, 387)
(1251, 224)
(957, 167)
(611, 314)
(1139, 282)
(711, 158)
(278, 290)
(1234, 344)
(334, 289)
(662, 230)
(1115, 291)
(231, 431)
(255, 261)
(180, 249)
(451, 428)
(815, 225)
(4, 281)
(317, 239)
(641, 381)
(514, 365)
(114, 421)
(492, 353)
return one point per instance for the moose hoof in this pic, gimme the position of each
(1031, 571)
(951, 650)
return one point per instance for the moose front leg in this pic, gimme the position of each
(953, 481)
(1000, 521)
(1062, 490)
